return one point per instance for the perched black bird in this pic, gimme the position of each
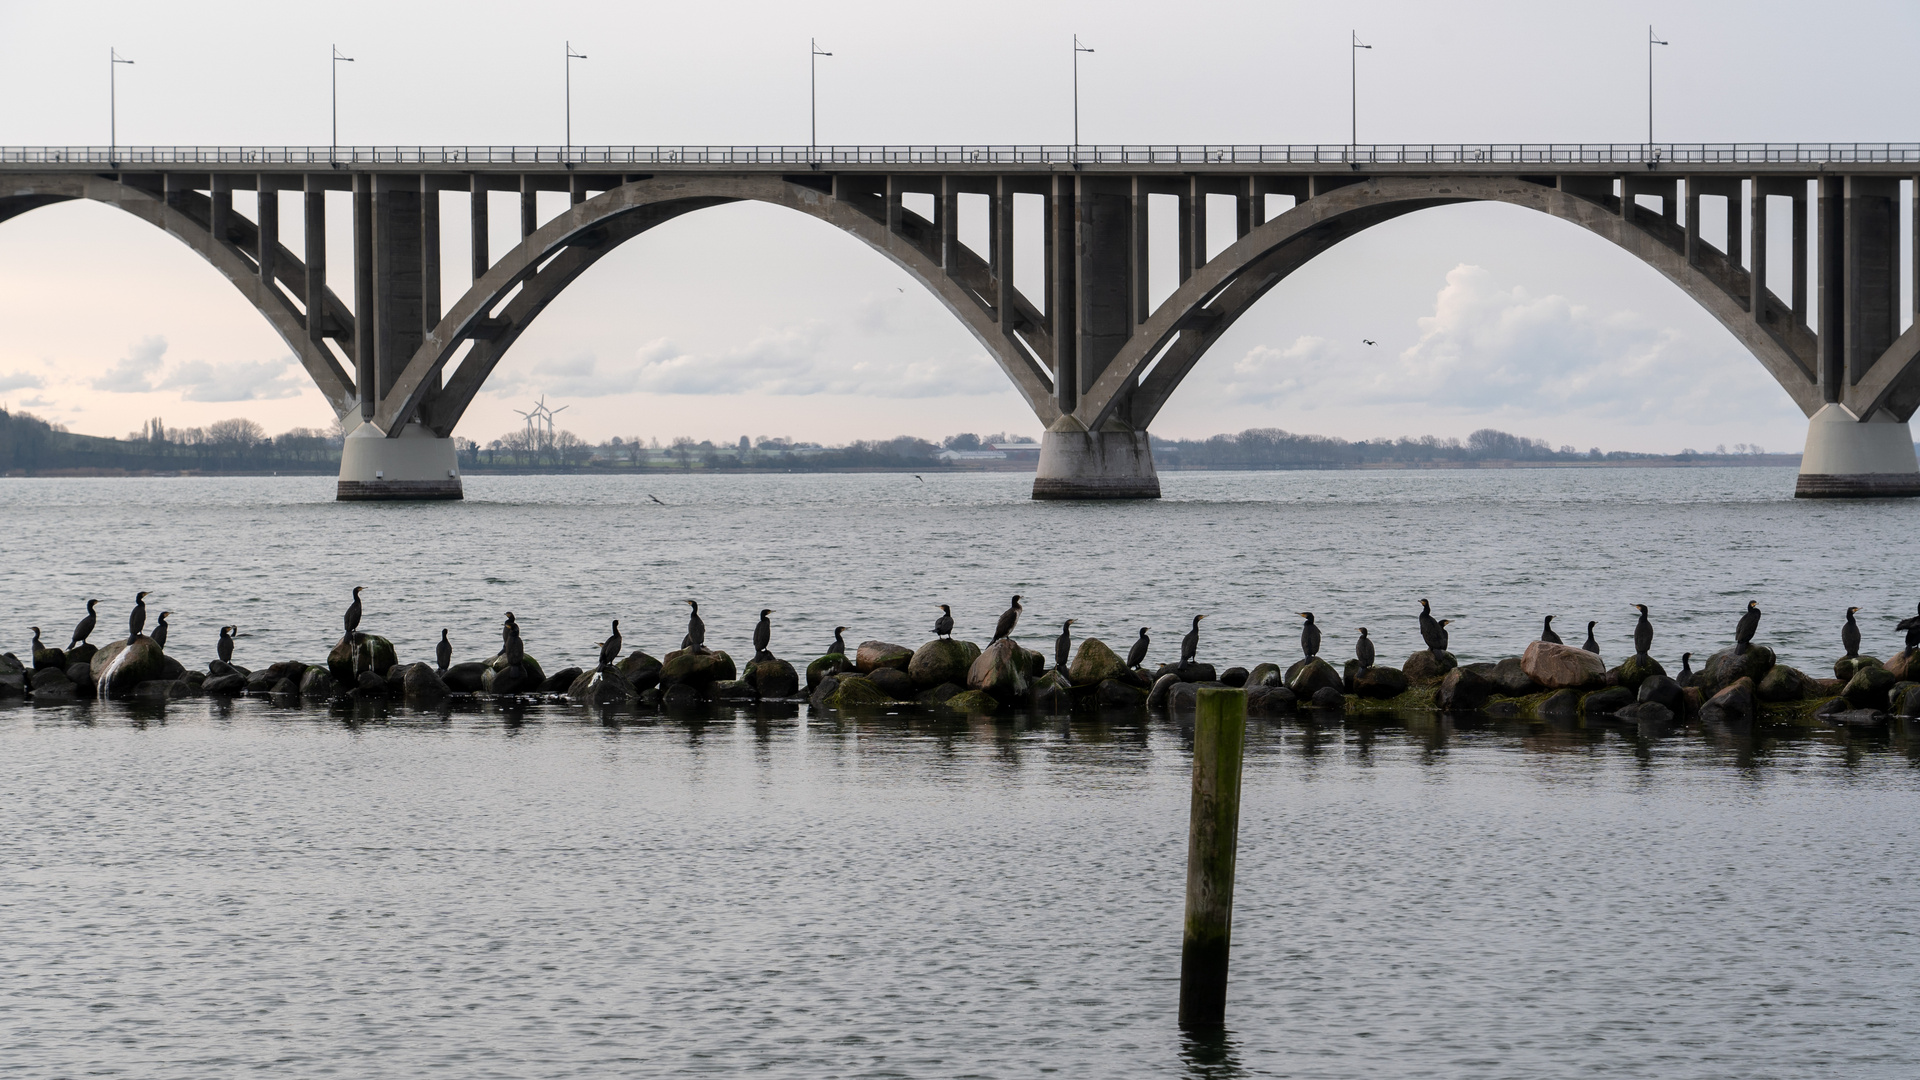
(225, 647)
(84, 627)
(1591, 646)
(443, 652)
(516, 651)
(1685, 678)
(762, 635)
(696, 630)
(138, 620)
(1138, 654)
(1063, 645)
(1547, 635)
(508, 632)
(1912, 627)
(1190, 645)
(1309, 635)
(1743, 632)
(610, 648)
(160, 630)
(1008, 620)
(353, 611)
(1440, 631)
(1431, 631)
(1850, 635)
(41, 654)
(1363, 650)
(839, 643)
(1642, 633)
(943, 626)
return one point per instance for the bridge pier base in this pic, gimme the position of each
(1109, 464)
(416, 465)
(1847, 459)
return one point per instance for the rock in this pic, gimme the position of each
(641, 671)
(973, 703)
(371, 685)
(1294, 669)
(998, 672)
(680, 697)
(1033, 664)
(1183, 698)
(1052, 692)
(1381, 682)
(1562, 667)
(1904, 699)
(1313, 676)
(1463, 690)
(1847, 667)
(1859, 718)
(80, 674)
(696, 669)
(941, 661)
(1663, 691)
(505, 681)
(1093, 663)
(1196, 672)
(423, 685)
(1118, 694)
(820, 668)
(873, 655)
(1271, 701)
(259, 681)
(372, 653)
(1646, 713)
(46, 677)
(1607, 702)
(1901, 665)
(1162, 687)
(774, 678)
(124, 666)
(464, 678)
(560, 681)
(13, 683)
(1868, 687)
(1329, 698)
(1726, 667)
(82, 653)
(1637, 669)
(536, 677)
(1510, 676)
(939, 694)
(57, 691)
(1561, 705)
(893, 682)
(171, 668)
(1733, 704)
(10, 664)
(46, 659)
(857, 693)
(317, 683)
(1783, 683)
(224, 685)
(1423, 668)
(161, 690)
(732, 690)
(1265, 675)
(1348, 672)
(1235, 677)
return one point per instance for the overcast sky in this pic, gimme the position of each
(756, 321)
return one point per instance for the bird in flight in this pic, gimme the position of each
(1364, 341)
(656, 499)
(920, 478)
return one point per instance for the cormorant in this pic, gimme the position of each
(1591, 646)
(1008, 619)
(508, 632)
(40, 651)
(1685, 678)
(1642, 633)
(696, 630)
(138, 620)
(943, 626)
(1431, 631)
(515, 651)
(1138, 654)
(1063, 645)
(1547, 635)
(1744, 631)
(839, 643)
(1190, 645)
(353, 611)
(225, 647)
(1912, 627)
(1309, 635)
(1440, 631)
(1850, 635)
(762, 635)
(443, 652)
(160, 630)
(1363, 650)
(610, 648)
(84, 627)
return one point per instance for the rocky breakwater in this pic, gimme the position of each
(954, 676)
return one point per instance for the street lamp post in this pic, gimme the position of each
(332, 147)
(113, 104)
(1652, 40)
(571, 57)
(813, 91)
(1077, 50)
(1354, 91)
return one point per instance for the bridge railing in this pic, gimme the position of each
(1393, 154)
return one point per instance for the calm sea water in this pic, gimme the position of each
(215, 889)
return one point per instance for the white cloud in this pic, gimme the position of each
(1267, 374)
(133, 373)
(21, 380)
(239, 380)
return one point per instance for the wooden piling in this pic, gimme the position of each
(1219, 740)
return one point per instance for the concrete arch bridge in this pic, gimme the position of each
(1094, 358)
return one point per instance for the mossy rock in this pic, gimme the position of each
(942, 660)
(602, 686)
(1868, 687)
(774, 678)
(125, 665)
(1638, 669)
(371, 653)
(1423, 667)
(696, 669)
(819, 668)
(1727, 667)
(1000, 671)
(1847, 667)
(857, 693)
(878, 654)
(1313, 675)
(972, 703)
(1783, 683)
(1380, 682)
(1258, 676)
(1094, 663)
(641, 671)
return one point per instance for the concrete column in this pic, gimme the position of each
(1757, 283)
(948, 213)
(1848, 459)
(529, 207)
(268, 219)
(1103, 270)
(1872, 270)
(1139, 249)
(576, 189)
(397, 280)
(1801, 271)
(1062, 288)
(1115, 462)
(364, 315)
(316, 258)
(1693, 221)
(1736, 230)
(415, 465)
(477, 217)
(1186, 200)
(1243, 208)
(220, 207)
(1196, 235)
(429, 257)
(1000, 253)
(1830, 369)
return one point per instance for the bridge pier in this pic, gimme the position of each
(1115, 462)
(417, 464)
(1848, 459)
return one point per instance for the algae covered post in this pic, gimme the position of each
(1219, 739)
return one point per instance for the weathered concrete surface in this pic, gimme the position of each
(416, 465)
(1848, 459)
(1079, 464)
